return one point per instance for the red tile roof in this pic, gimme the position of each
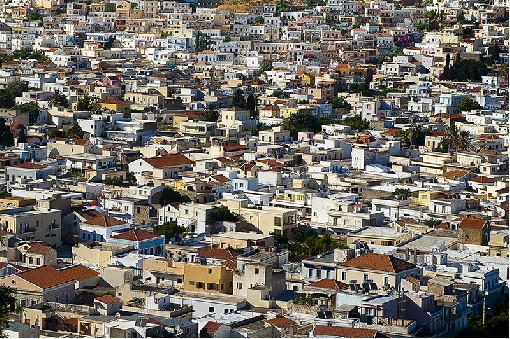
(79, 272)
(76, 141)
(169, 160)
(330, 284)
(344, 332)
(45, 277)
(136, 235)
(453, 175)
(30, 165)
(107, 299)
(379, 262)
(281, 322)
(483, 180)
(211, 327)
(37, 248)
(103, 220)
(218, 253)
(471, 222)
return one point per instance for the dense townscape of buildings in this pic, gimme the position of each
(205, 169)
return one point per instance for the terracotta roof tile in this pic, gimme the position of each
(169, 160)
(30, 165)
(107, 299)
(330, 284)
(344, 332)
(453, 175)
(103, 220)
(471, 222)
(38, 248)
(218, 253)
(211, 327)
(45, 277)
(483, 180)
(79, 272)
(136, 235)
(281, 322)
(379, 262)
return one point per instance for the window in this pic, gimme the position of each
(344, 275)
(211, 309)
(210, 271)
(192, 283)
(239, 285)
(386, 281)
(365, 277)
(256, 271)
(38, 261)
(319, 273)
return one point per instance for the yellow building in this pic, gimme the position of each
(268, 219)
(114, 104)
(286, 112)
(424, 198)
(208, 278)
(16, 202)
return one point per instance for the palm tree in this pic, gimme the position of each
(464, 140)
(457, 140)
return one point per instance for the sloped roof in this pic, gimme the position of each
(344, 332)
(103, 220)
(30, 165)
(471, 222)
(281, 322)
(169, 160)
(379, 262)
(211, 327)
(330, 284)
(136, 235)
(37, 248)
(107, 299)
(45, 277)
(452, 175)
(79, 272)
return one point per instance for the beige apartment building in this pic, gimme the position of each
(31, 224)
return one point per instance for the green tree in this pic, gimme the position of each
(466, 70)
(401, 193)
(169, 230)
(201, 42)
(266, 66)
(457, 140)
(238, 100)
(251, 103)
(22, 136)
(113, 181)
(7, 305)
(338, 102)
(109, 44)
(301, 121)
(32, 109)
(11, 92)
(468, 104)
(221, 213)
(431, 222)
(84, 104)
(58, 99)
(6, 137)
(211, 113)
(259, 20)
(169, 196)
(493, 53)
(110, 7)
(131, 178)
(356, 123)
(281, 6)
(75, 132)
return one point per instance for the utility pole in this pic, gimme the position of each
(483, 310)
